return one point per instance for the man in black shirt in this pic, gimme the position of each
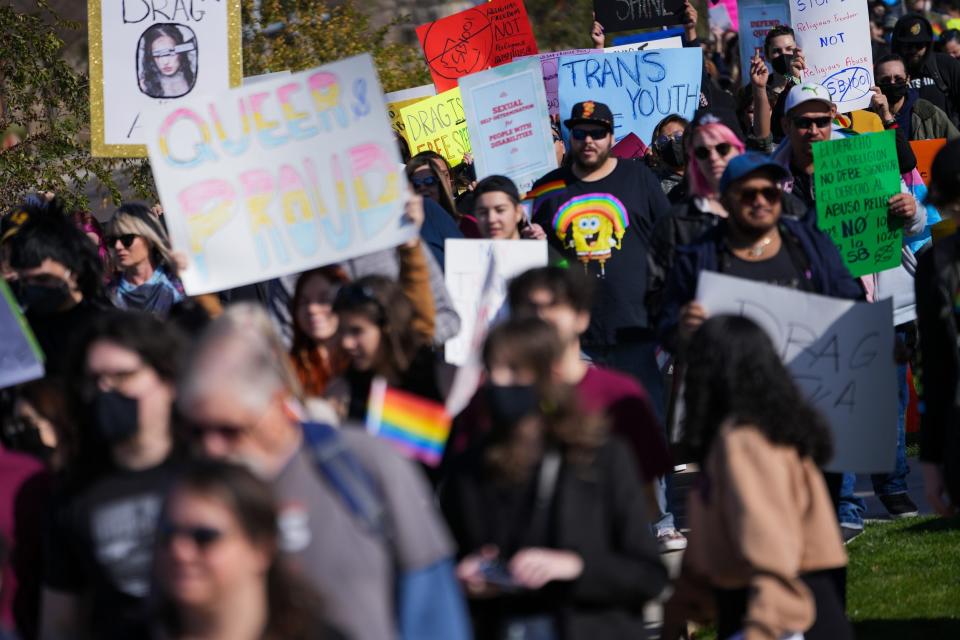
(935, 75)
(599, 213)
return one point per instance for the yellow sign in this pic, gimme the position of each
(397, 100)
(437, 124)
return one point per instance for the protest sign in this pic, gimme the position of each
(21, 359)
(146, 54)
(549, 63)
(509, 122)
(667, 42)
(294, 173)
(627, 15)
(629, 147)
(757, 20)
(855, 178)
(840, 353)
(646, 36)
(488, 35)
(720, 17)
(437, 124)
(733, 13)
(397, 100)
(926, 151)
(635, 85)
(835, 38)
(465, 271)
(263, 77)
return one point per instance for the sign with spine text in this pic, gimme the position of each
(397, 100)
(488, 35)
(144, 54)
(757, 20)
(437, 124)
(21, 359)
(854, 179)
(283, 176)
(835, 38)
(627, 15)
(840, 354)
(509, 122)
(640, 87)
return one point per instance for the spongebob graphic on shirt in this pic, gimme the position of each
(593, 225)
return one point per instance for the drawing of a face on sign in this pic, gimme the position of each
(167, 57)
(460, 46)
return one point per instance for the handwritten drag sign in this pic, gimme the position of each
(400, 99)
(855, 178)
(437, 124)
(640, 87)
(279, 177)
(508, 120)
(627, 15)
(835, 38)
(144, 53)
(840, 353)
(489, 35)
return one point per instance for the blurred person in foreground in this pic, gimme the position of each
(219, 571)
(763, 543)
(547, 510)
(107, 501)
(356, 520)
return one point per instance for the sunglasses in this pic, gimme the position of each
(810, 123)
(582, 134)
(429, 181)
(126, 240)
(770, 194)
(201, 536)
(722, 149)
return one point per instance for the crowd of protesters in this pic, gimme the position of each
(198, 467)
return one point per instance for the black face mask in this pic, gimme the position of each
(894, 91)
(671, 151)
(782, 64)
(42, 300)
(510, 404)
(116, 416)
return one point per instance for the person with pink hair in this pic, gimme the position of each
(86, 222)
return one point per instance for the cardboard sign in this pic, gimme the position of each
(835, 38)
(21, 359)
(641, 88)
(840, 353)
(290, 174)
(488, 35)
(397, 100)
(627, 15)
(465, 272)
(854, 179)
(926, 151)
(549, 62)
(438, 124)
(669, 42)
(509, 122)
(757, 20)
(143, 54)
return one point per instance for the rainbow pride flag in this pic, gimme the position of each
(418, 428)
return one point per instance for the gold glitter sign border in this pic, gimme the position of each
(98, 146)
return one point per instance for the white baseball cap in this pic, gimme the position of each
(807, 92)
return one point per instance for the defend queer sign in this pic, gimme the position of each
(438, 124)
(488, 35)
(627, 15)
(509, 123)
(276, 178)
(855, 178)
(835, 38)
(143, 54)
(757, 20)
(840, 353)
(635, 85)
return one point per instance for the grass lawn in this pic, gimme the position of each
(904, 580)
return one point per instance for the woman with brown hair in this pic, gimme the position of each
(547, 510)
(314, 353)
(430, 176)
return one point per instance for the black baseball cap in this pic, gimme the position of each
(913, 28)
(590, 112)
(945, 176)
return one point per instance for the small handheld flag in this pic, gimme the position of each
(417, 427)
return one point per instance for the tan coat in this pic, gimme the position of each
(766, 518)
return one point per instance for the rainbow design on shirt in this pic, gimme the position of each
(593, 225)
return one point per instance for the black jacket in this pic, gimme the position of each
(937, 285)
(938, 80)
(598, 512)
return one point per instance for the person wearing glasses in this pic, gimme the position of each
(430, 176)
(219, 571)
(147, 272)
(100, 539)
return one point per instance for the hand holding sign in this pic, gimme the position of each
(627, 15)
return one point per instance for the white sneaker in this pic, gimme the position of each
(671, 540)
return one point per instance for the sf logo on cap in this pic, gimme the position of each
(915, 29)
(588, 109)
